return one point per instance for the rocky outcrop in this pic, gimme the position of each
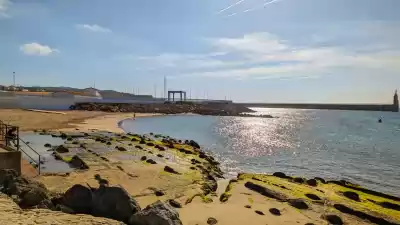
(218, 109)
(79, 198)
(158, 213)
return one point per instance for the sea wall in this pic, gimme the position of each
(10, 160)
(365, 107)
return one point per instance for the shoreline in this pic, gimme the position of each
(197, 187)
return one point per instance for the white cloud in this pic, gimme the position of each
(4, 8)
(37, 49)
(93, 28)
(266, 56)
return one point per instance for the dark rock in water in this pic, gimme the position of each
(159, 193)
(122, 149)
(170, 170)
(275, 211)
(212, 221)
(47, 145)
(114, 203)
(79, 198)
(109, 143)
(61, 149)
(299, 180)
(142, 142)
(158, 213)
(279, 174)
(160, 156)
(351, 195)
(138, 147)
(333, 219)
(265, 191)
(194, 144)
(77, 162)
(150, 144)
(143, 158)
(298, 203)
(312, 182)
(151, 161)
(313, 196)
(248, 206)
(259, 212)
(322, 180)
(174, 203)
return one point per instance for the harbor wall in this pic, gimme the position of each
(363, 107)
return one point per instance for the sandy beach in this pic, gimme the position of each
(241, 204)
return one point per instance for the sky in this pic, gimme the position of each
(311, 51)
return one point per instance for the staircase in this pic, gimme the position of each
(13, 143)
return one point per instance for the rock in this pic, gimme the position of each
(333, 219)
(151, 161)
(279, 174)
(212, 221)
(65, 209)
(122, 149)
(259, 212)
(138, 147)
(114, 203)
(170, 170)
(159, 193)
(143, 158)
(351, 195)
(61, 149)
(312, 182)
(78, 198)
(390, 205)
(194, 144)
(158, 213)
(275, 211)
(27, 193)
(313, 196)
(298, 203)
(78, 163)
(248, 206)
(192, 168)
(108, 143)
(299, 180)
(320, 179)
(265, 191)
(47, 145)
(174, 203)
(142, 142)
(160, 156)
(150, 144)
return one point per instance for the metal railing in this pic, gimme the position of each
(9, 137)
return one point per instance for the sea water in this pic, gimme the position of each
(348, 145)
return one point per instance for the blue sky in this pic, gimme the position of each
(250, 50)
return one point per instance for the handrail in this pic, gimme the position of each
(4, 128)
(38, 163)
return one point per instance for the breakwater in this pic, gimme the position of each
(361, 107)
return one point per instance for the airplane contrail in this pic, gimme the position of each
(261, 6)
(236, 3)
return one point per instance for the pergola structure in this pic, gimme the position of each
(182, 95)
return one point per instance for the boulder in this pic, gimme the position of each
(212, 221)
(143, 158)
(333, 219)
(151, 161)
(312, 182)
(351, 195)
(322, 180)
(61, 149)
(33, 197)
(47, 145)
(114, 203)
(158, 213)
(275, 211)
(265, 191)
(78, 198)
(299, 180)
(312, 196)
(170, 170)
(174, 203)
(298, 203)
(194, 144)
